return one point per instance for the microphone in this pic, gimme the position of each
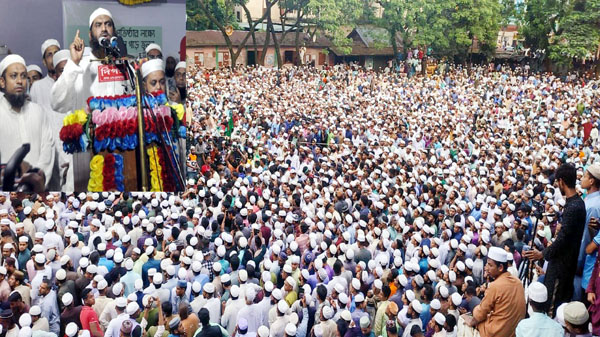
(113, 42)
(104, 42)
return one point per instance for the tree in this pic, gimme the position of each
(221, 10)
(539, 20)
(205, 6)
(578, 34)
(474, 20)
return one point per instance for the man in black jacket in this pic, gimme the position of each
(562, 253)
(207, 329)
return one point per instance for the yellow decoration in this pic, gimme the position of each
(178, 108)
(95, 184)
(77, 117)
(155, 170)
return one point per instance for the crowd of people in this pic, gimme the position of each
(349, 202)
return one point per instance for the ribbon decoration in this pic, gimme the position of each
(96, 182)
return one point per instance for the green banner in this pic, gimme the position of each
(137, 38)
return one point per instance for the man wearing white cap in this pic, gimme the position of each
(589, 245)
(538, 323)
(180, 79)
(34, 74)
(83, 76)
(62, 178)
(23, 121)
(154, 51)
(503, 304)
(153, 74)
(40, 92)
(414, 311)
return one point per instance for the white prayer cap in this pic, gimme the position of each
(439, 318)
(180, 64)
(435, 304)
(152, 66)
(102, 284)
(327, 312)
(594, 170)
(497, 254)
(67, 299)
(40, 258)
(118, 288)
(25, 320)
(34, 67)
(263, 331)
(61, 274)
(283, 307)
(153, 46)
(538, 292)
(234, 291)
(35, 310)
(456, 299)
(49, 43)
(131, 308)
(71, 329)
(290, 329)
(10, 59)
(209, 288)
(416, 305)
(576, 313)
(99, 11)
(121, 302)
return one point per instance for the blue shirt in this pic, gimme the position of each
(592, 210)
(539, 325)
(106, 263)
(152, 263)
(425, 315)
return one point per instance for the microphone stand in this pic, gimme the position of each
(112, 56)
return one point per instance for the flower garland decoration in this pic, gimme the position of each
(104, 102)
(115, 129)
(114, 123)
(167, 179)
(119, 172)
(155, 169)
(73, 134)
(108, 172)
(95, 184)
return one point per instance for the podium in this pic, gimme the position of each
(120, 145)
(81, 170)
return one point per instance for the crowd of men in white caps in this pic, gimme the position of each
(373, 204)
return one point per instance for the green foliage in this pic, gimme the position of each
(579, 34)
(567, 29)
(222, 10)
(448, 26)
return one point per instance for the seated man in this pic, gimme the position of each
(503, 305)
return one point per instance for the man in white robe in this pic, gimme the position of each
(40, 90)
(22, 120)
(83, 76)
(40, 94)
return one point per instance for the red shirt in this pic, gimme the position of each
(88, 316)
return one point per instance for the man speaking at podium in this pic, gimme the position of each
(84, 76)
